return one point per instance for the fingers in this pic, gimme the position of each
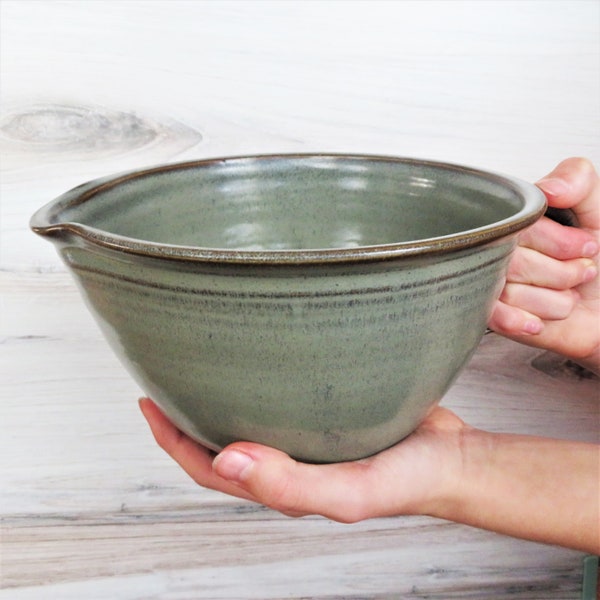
(544, 303)
(513, 321)
(534, 294)
(578, 340)
(559, 241)
(575, 184)
(531, 267)
(545, 277)
(195, 460)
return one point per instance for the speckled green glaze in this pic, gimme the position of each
(321, 304)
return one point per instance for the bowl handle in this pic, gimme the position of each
(564, 216)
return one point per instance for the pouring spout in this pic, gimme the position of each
(56, 220)
(43, 225)
(51, 231)
(59, 218)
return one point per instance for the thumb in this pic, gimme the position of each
(574, 184)
(296, 489)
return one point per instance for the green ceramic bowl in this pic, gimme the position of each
(321, 304)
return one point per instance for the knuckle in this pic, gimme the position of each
(576, 166)
(507, 296)
(573, 273)
(563, 304)
(567, 246)
(516, 266)
(570, 302)
(285, 497)
(581, 163)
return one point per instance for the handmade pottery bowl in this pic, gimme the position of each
(320, 304)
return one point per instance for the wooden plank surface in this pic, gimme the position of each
(90, 507)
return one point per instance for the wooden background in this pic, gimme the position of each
(91, 508)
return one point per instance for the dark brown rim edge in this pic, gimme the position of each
(43, 223)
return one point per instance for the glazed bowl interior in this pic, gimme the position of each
(303, 203)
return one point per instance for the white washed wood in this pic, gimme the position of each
(90, 507)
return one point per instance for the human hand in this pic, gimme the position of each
(551, 299)
(416, 476)
(539, 489)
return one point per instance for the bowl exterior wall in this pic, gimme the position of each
(328, 363)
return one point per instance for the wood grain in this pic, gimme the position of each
(61, 131)
(90, 507)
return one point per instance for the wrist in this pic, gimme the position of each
(540, 489)
(445, 462)
(463, 473)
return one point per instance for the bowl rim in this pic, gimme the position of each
(46, 220)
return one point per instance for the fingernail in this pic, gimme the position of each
(590, 249)
(533, 327)
(554, 187)
(232, 465)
